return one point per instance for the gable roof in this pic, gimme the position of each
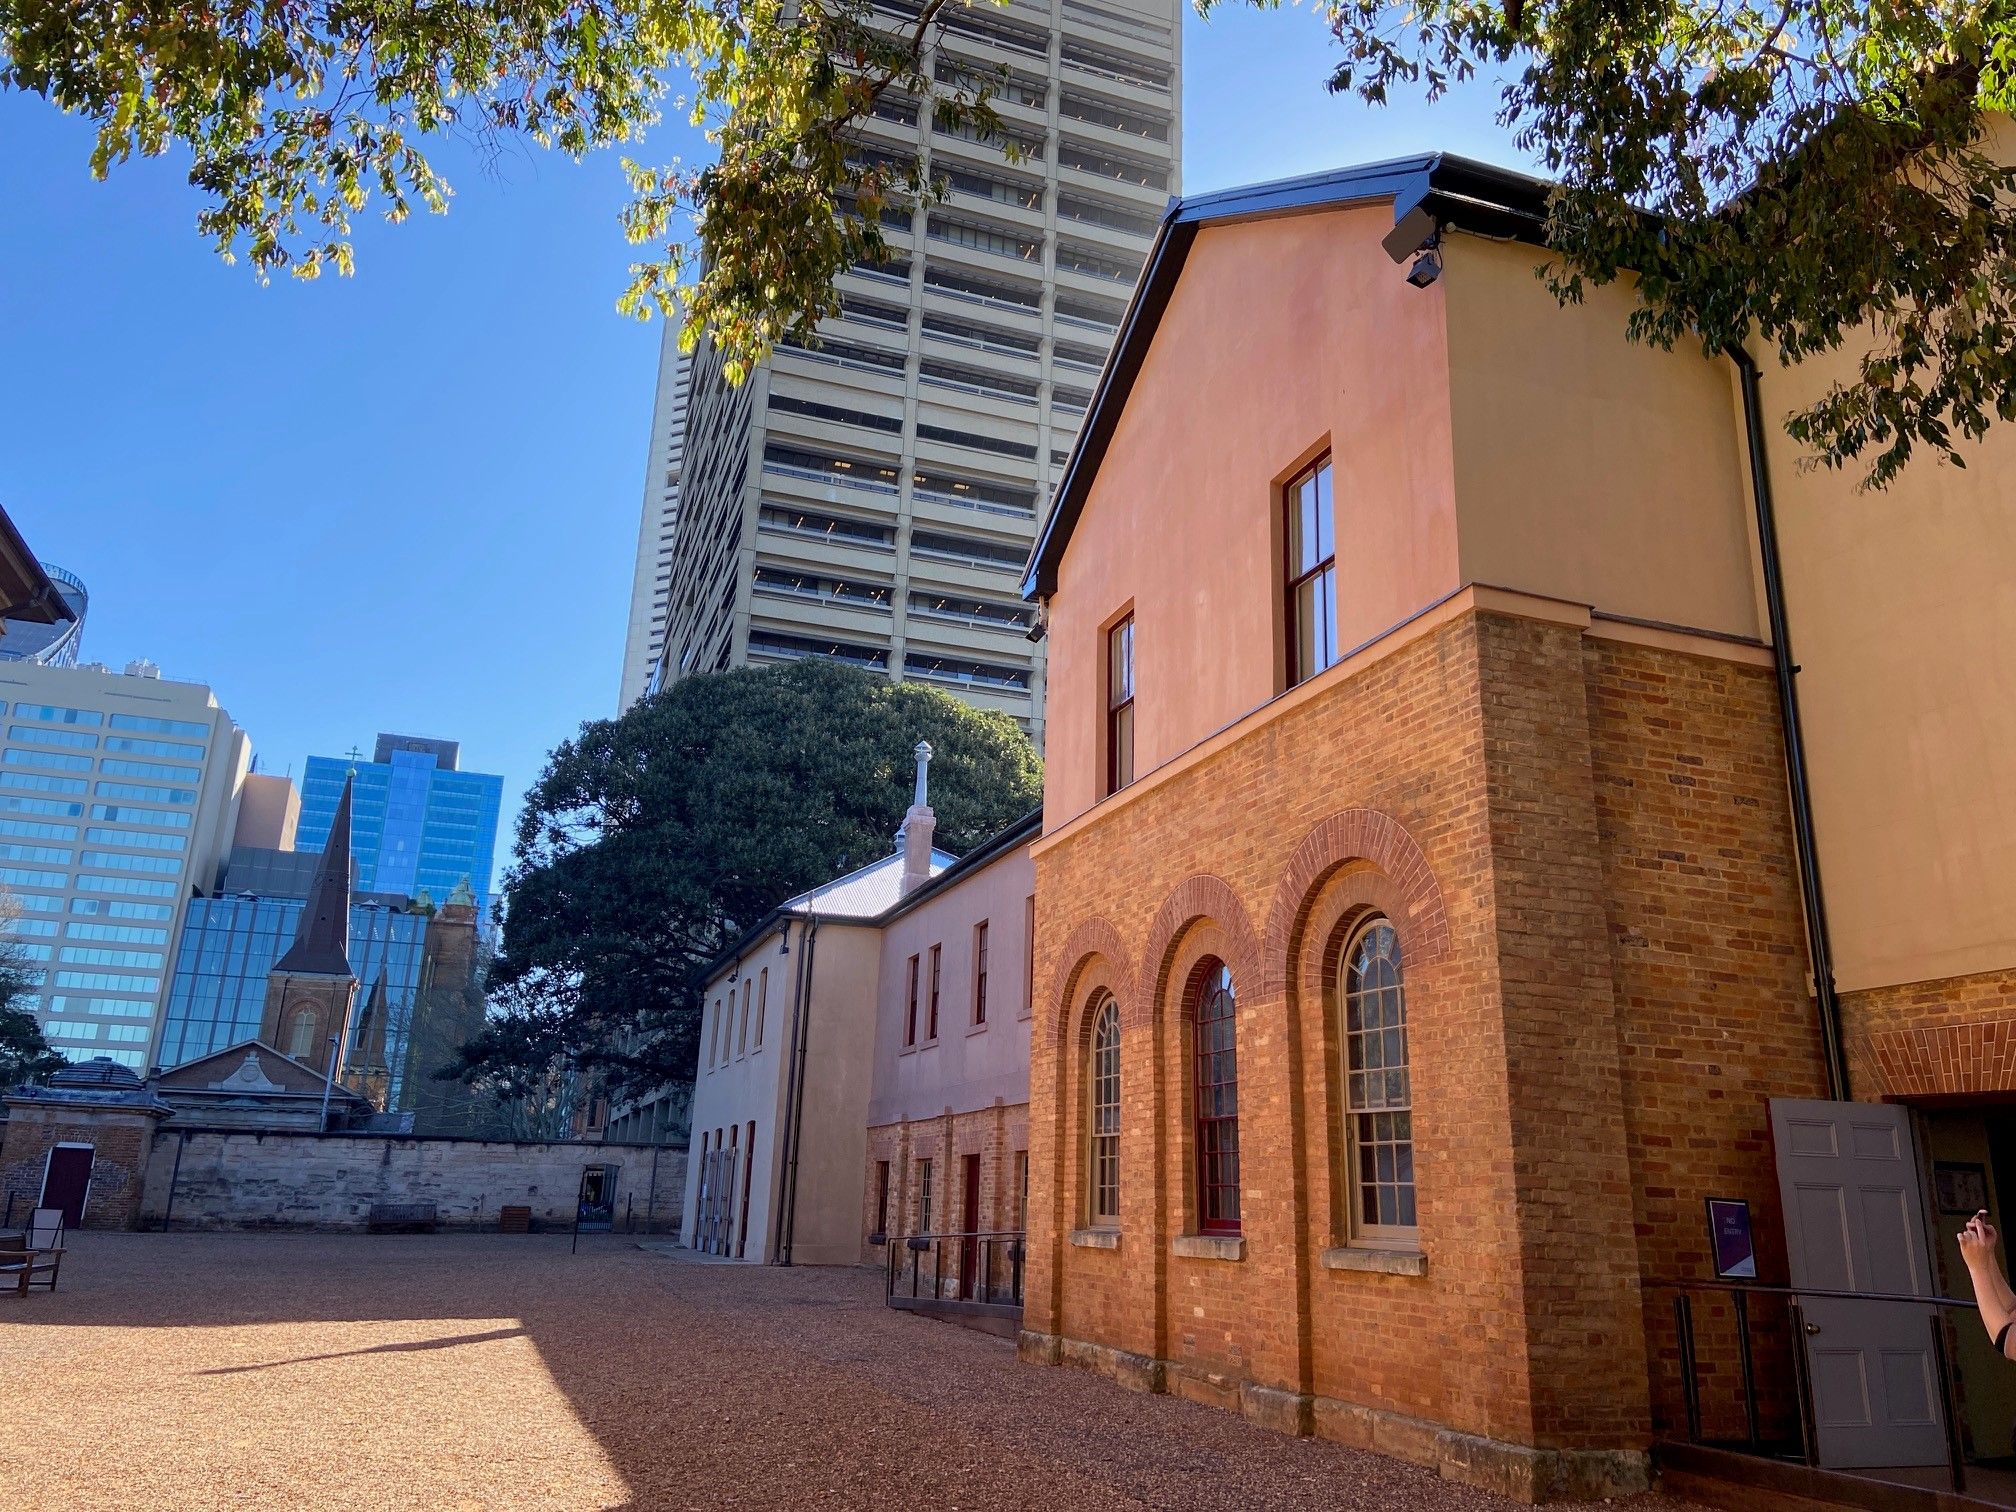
(1430, 193)
(283, 1075)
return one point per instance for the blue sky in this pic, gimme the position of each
(408, 500)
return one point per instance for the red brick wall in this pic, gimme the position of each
(1708, 953)
(998, 1135)
(1582, 846)
(119, 1161)
(1933, 1039)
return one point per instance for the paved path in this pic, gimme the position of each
(265, 1371)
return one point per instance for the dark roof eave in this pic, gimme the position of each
(26, 593)
(1438, 190)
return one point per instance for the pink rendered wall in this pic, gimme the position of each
(1282, 336)
(965, 1068)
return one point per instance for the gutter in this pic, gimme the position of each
(1818, 941)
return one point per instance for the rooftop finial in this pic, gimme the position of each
(923, 754)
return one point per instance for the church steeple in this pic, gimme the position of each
(322, 939)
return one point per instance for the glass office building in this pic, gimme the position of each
(419, 823)
(217, 992)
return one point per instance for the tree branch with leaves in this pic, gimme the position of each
(1811, 175)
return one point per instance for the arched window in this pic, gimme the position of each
(1217, 1077)
(1379, 1121)
(1103, 1122)
(301, 1036)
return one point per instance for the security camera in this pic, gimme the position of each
(1427, 268)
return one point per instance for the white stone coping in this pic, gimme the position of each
(1096, 1238)
(1385, 1262)
(1209, 1246)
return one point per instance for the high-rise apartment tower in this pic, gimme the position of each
(874, 500)
(646, 640)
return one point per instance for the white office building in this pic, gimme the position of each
(118, 792)
(645, 641)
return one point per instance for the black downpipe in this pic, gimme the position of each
(1810, 895)
(790, 1099)
(801, 1036)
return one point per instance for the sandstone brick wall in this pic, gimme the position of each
(1582, 845)
(239, 1179)
(999, 1135)
(119, 1159)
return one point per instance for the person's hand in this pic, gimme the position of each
(1978, 1240)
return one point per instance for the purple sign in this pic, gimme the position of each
(1729, 1237)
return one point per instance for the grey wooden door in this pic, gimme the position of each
(1854, 1222)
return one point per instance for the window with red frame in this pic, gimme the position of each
(1312, 573)
(1217, 1076)
(931, 1022)
(1120, 705)
(910, 1012)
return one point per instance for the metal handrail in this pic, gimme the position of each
(980, 1247)
(1740, 1292)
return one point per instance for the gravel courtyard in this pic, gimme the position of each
(196, 1371)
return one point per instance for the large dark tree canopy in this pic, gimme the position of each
(652, 840)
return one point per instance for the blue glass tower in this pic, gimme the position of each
(419, 822)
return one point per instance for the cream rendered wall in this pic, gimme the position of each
(1903, 620)
(967, 1068)
(839, 1055)
(753, 1085)
(1590, 468)
(738, 1088)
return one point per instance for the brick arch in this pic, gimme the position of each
(1091, 937)
(1200, 897)
(1355, 834)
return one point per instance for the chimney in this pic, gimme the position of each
(919, 825)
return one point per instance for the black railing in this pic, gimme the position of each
(1740, 1293)
(980, 1269)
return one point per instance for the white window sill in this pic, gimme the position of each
(1380, 1261)
(1208, 1246)
(1096, 1238)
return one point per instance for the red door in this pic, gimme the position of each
(969, 1249)
(65, 1181)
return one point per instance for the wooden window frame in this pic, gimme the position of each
(762, 1002)
(1363, 1129)
(742, 1027)
(937, 978)
(980, 974)
(882, 1198)
(1118, 745)
(1102, 1118)
(1215, 1066)
(910, 1012)
(924, 1196)
(1294, 576)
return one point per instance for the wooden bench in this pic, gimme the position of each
(402, 1218)
(20, 1266)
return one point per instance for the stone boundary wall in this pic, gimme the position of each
(246, 1179)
